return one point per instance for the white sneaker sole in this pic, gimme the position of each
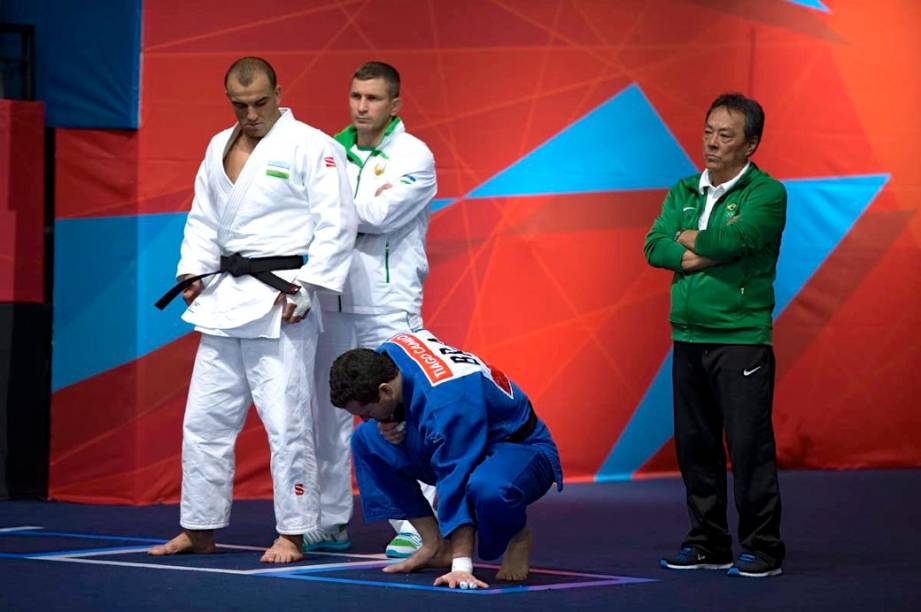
(699, 566)
(774, 572)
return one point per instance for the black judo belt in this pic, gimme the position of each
(521, 434)
(237, 265)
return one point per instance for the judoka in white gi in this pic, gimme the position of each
(270, 186)
(392, 175)
(445, 417)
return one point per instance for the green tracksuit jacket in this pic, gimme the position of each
(732, 302)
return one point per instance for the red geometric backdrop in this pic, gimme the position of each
(552, 285)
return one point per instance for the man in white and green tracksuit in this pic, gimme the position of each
(393, 180)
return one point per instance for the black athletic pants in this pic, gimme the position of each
(726, 387)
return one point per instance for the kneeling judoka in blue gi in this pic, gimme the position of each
(445, 417)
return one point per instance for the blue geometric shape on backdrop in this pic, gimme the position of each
(108, 273)
(88, 69)
(621, 145)
(442, 203)
(813, 4)
(820, 213)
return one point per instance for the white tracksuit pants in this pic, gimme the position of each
(229, 375)
(343, 331)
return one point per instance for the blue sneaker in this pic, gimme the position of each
(330, 539)
(751, 565)
(690, 558)
(403, 545)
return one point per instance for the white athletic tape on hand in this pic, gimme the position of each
(301, 301)
(462, 564)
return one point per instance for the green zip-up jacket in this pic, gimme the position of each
(731, 302)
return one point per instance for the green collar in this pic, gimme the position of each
(348, 138)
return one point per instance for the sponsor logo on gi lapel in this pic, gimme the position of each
(750, 372)
(731, 207)
(435, 368)
(298, 489)
(278, 169)
(379, 169)
(407, 179)
(329, 161)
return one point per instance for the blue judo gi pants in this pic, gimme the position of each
(511, 476)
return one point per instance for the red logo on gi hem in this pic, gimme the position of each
(298, 489)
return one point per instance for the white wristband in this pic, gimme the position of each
(462, 564)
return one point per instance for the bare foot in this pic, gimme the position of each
(517, 558)
(198, 542)
(285, 549)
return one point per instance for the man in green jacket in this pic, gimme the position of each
(719, 231)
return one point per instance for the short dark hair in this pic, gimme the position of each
(246, 69)
(357, 375)
(750, 109)
(380, 70)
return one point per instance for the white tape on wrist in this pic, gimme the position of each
(462, 564)
(301, 301)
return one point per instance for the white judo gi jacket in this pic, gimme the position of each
(383, 292)
(290, 199)
(389, 265)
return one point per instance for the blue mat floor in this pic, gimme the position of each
(852, 538)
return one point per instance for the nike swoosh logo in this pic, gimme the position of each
(750, 372)
(688, 208)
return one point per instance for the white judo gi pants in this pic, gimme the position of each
(229, 375)
(343, 331)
